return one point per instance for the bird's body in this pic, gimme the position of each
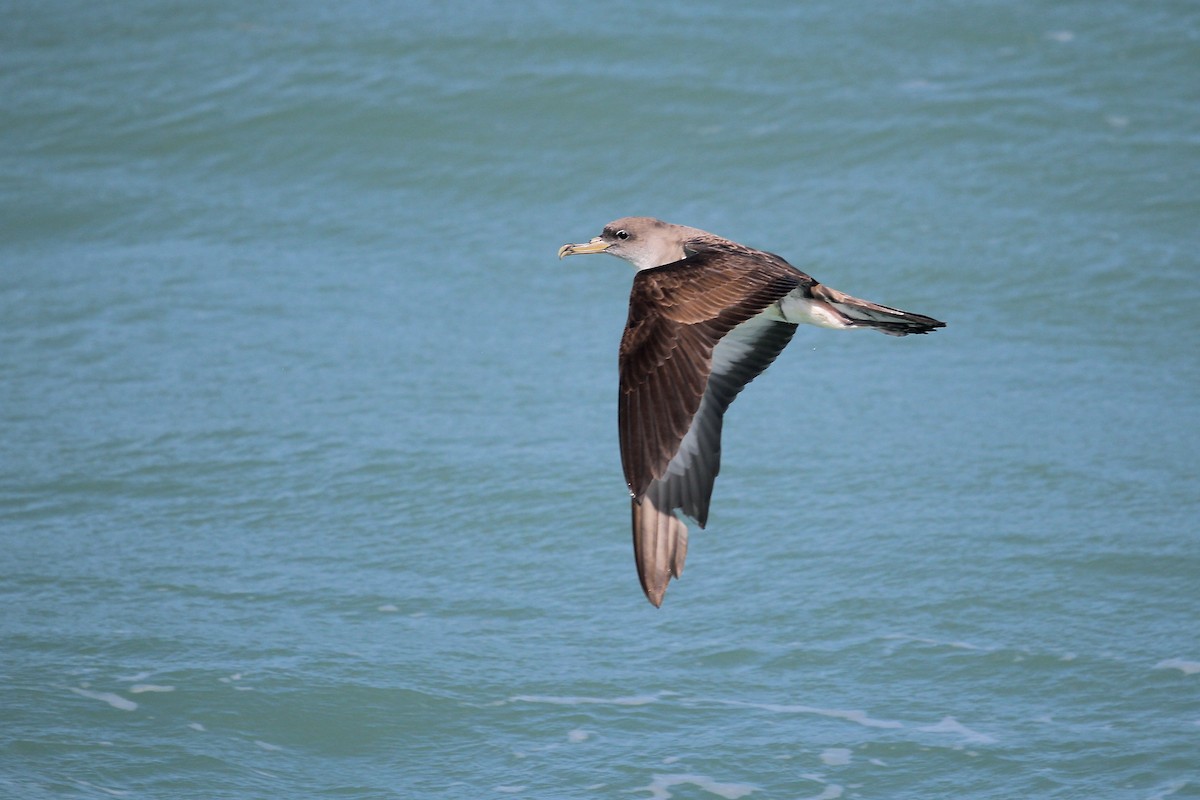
(706, 316)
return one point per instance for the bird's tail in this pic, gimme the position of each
(865, 314)
(660, 542)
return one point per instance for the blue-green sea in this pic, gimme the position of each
(309, 479)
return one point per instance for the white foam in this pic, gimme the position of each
(113, 792)
(1061, 36)
(935, 642)
(114, 700)
(138, 688)
(577, 735)
(850, 715)
(556, 700)
(832, 792)
(267, 745)
(951, 725)
(659, 787)
(1186, 667)
(1168, 790)
(141, 676)
(836, 756)
(196, 726)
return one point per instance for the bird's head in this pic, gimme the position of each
(644, 242)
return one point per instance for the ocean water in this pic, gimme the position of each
(309, 483)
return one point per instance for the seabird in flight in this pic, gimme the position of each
(706, 316)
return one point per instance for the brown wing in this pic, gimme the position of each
(659, 537)
(677, 314)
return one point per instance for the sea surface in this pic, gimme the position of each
(309, 483)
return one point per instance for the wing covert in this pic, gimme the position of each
(677, 315)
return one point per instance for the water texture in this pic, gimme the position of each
(309, 482)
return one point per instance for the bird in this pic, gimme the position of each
(707, 315)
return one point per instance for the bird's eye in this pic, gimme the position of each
(622, 234)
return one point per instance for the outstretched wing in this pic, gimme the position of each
(692, 342)
(738, 358)
(659, 536)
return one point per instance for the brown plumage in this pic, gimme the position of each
(706, 316)
(677, 315)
